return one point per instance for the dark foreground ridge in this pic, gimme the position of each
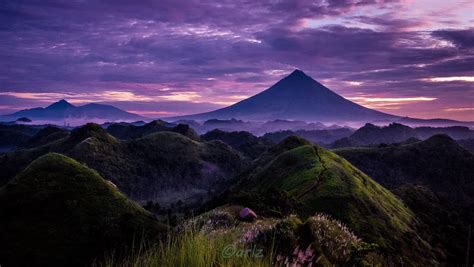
(58, 212)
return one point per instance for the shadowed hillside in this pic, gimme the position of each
(320, 137)
(245, 142)
(371, 134)
(435, 178)
(164, 166)
(130, 131)
(58, 212)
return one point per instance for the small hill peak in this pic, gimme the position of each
(293, 141)
(439, 139)
(89, 130)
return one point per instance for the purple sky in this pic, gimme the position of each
(170, 57)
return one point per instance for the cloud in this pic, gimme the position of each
(463, 39)
(204, 51)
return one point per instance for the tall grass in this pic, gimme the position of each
(193, 248)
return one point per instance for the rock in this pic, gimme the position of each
(247, 214)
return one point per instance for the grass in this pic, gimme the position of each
(318, 180)
(272, 242)
(193, 248)
(59, 211)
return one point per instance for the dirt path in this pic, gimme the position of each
(317, 183)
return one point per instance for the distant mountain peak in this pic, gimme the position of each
(298, 76)
(295, 97)
(61, 104)
(298, 73)
(62, 112)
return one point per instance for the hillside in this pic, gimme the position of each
(371, 134)
(438, 162)
(46, 135)
(15, 135)
(295, 176)
(130, 131)
(58, 212)
(320, 137)
(245, 142)
(434, 177)
(467, 144)
(166, 167)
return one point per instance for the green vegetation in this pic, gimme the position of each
(434, 179)
(312, 205)
(316, 180)
(371, 135)
(145, 168)
(245, 142)
(218, 238)
(46, 135)
(57, 212)
(130, 131)
(192, 248)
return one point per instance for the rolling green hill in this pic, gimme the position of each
(58, 212)
(130, 131)
(435, 178)
(438, 162)
(245, 142)
(46, 135)
(166, 166)
(313, 179)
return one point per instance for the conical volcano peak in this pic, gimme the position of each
(298, 74)
(295, 97)
(61, 104)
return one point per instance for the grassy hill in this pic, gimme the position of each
(166, 166)
(467, 144)
(58, 212)
(435, 178)
(370, 134)
(324, 136)
(295, 176)
(46, 135)
(438, 162)
(245, 142)
(15, 135)
(130, 131)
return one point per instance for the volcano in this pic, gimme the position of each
(296, 97)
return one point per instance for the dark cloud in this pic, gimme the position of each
(225, 48)
(461, 38)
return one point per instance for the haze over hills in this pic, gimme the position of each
(295, 100)
(63, 112)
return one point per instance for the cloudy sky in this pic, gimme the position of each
(170, 57)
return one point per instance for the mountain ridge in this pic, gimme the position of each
(62, 110)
